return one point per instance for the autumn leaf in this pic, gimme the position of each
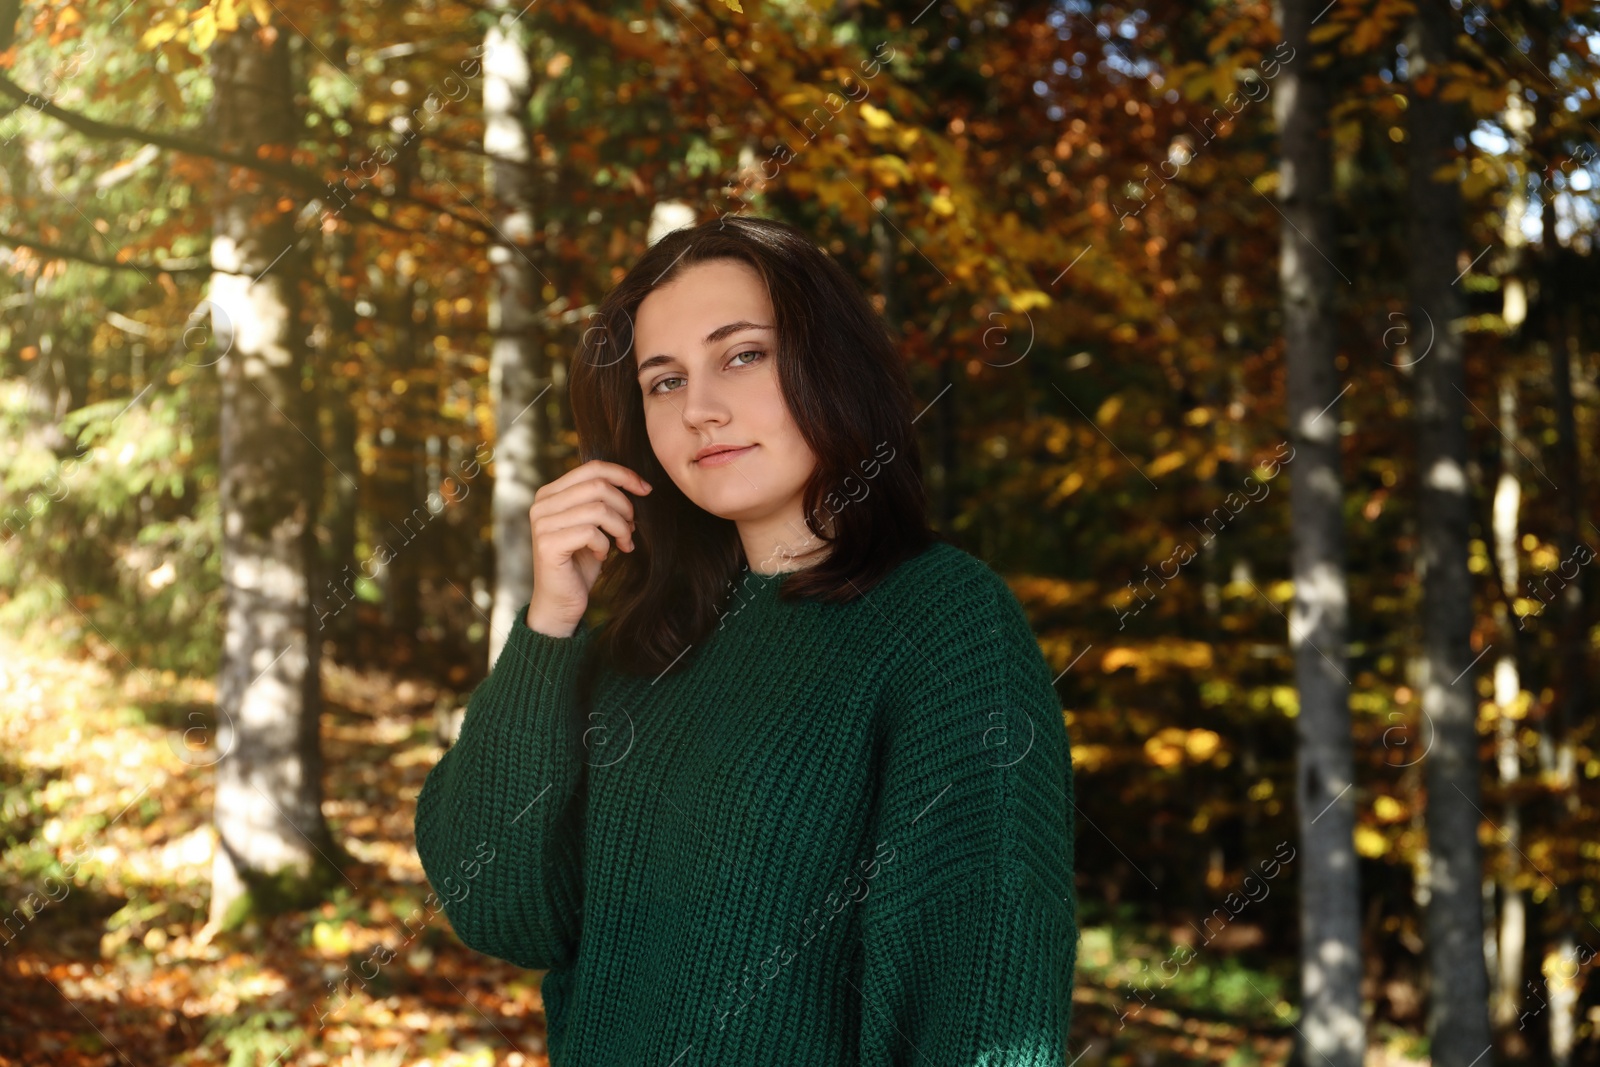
(169, 91)
(205, 28)
(159, 33)
(1164, 464)
(1370, 843)
(890, 170)
(876, 117)
(1027, 299)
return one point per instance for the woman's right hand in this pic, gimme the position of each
(570, 518)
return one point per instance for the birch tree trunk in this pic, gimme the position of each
(1330, 906)
(1510, 942)
(1458, 1018)
(268, 807)
(1571, 701)
(516, 364)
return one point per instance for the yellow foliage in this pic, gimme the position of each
(1151, 659)
(168, 88)
(1202, 744)
(205, 28)
(1169, 746)
(890, 170)
(1118, 658)
(1069, 485)
(1559, 972)
(1168, 462)
(331, 938)
(1028, 299)
(1370, 843)
(1223, 82)
(1049, 594)
(1388, 809)
(1090, 758)
(1162, 752)
(160, 33)
(876, 117)
(1487, 101)
(1195, 655)
(1107, 411)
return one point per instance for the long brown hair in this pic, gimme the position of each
(846, 387)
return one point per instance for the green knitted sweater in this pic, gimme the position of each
(842, 834)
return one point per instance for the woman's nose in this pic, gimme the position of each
(701, 403)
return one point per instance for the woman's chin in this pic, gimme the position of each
(735, 507)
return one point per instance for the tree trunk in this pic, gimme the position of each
(402, 495)
(1571, 700)
(46, 402)
(1511, 943)
(1458, 1019)
(516, 368)
(336, 599)
(268, 809)
(949, 459)
(1330, 907)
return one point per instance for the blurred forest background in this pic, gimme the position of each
(1259, 348)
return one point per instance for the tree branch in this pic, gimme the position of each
(291, 176)
(189, 265)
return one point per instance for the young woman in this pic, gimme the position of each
(805, 796)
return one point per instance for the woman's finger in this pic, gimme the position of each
(612, 473)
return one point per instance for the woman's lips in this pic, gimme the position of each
(722, 459)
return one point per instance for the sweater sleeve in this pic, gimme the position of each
(499, 821)
(970, 927)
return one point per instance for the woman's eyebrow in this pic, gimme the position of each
(711, 338)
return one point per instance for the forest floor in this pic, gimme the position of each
(117, 964)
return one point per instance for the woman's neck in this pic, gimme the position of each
(791, 549)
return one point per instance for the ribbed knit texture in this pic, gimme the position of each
(843, 835)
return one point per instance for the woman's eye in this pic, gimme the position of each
(756, 352)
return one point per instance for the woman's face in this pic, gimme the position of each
(706, 352)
